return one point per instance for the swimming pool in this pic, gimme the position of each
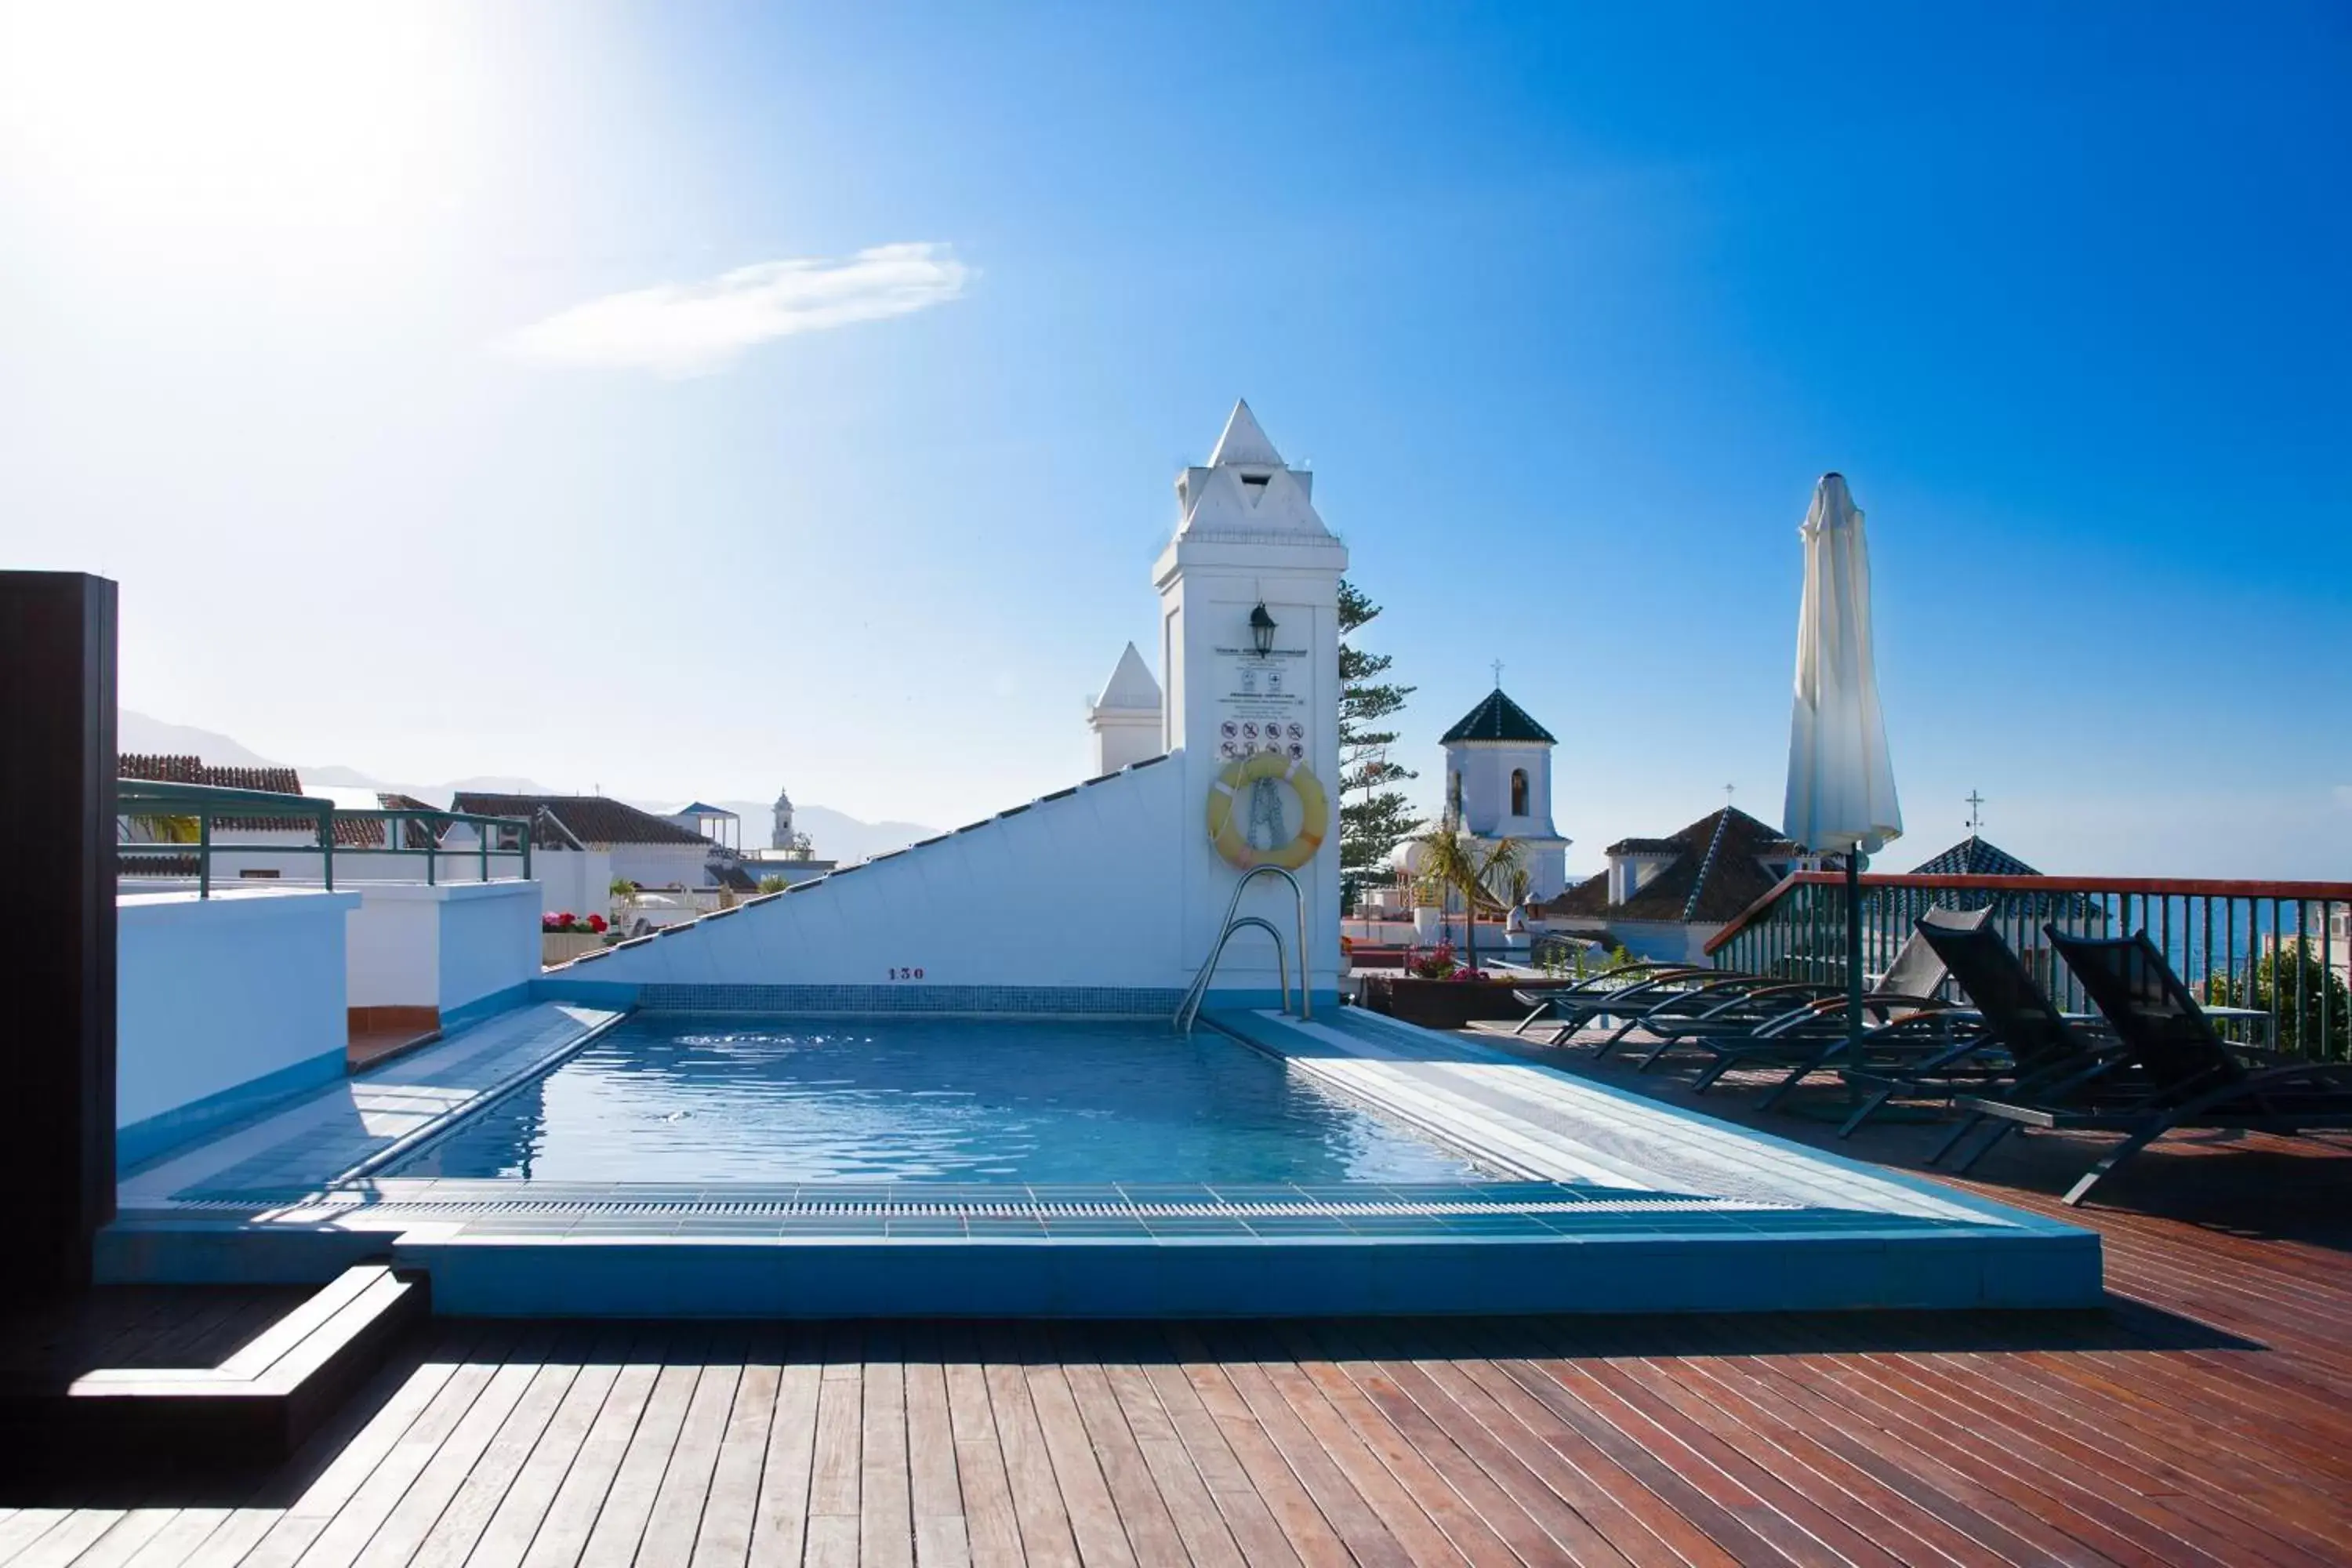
(671, 1098)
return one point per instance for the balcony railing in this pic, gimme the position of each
(2275, 954)
(193, 810)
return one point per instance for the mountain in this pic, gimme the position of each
(833, 835)
(136, 734)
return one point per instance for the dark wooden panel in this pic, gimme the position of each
(56, 970)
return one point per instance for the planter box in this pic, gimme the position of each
(563, 947)
(1441, 1003)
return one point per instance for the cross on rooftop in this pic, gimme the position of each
(1498, 675)
(1976, 811)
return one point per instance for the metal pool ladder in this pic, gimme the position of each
(1190, 1008)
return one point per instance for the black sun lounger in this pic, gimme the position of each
(2182, 1073)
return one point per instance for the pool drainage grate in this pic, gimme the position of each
(1007, 1208)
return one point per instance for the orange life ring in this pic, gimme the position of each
(1232, 843)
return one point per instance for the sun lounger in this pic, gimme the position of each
(2010, 1033)
(2182, 1073)
(1813, 1035)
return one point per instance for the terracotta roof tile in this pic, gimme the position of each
(166, 768)
(591, 819)
(1698, 887)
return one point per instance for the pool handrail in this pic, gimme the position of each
(1299, 904)
(1191, 1009)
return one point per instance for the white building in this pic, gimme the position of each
(1125, 718)
(1498, 786)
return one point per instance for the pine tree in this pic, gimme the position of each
(1374, 817)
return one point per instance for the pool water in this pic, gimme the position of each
(667, 1097)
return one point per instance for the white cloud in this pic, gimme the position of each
(696, 329)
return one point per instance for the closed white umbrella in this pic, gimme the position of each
(1841, 781)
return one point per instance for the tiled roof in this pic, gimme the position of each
(1498, 719)
(590, 818)
(1716, 874)
(1974, 857)
(165, 768)
(367, 832)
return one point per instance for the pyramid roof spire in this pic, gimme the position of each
(1244, 441)
(1497, 718)
(1130, 685)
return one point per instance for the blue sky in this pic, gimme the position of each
(1566, 306)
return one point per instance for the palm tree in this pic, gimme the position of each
(1455, 862)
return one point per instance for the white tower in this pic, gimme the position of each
(1498, 786)
(780, 836)
(1125, 718)
(1247, 537)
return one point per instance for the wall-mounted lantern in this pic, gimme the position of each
(1262, 630)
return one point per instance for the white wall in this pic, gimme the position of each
(660, 865)
(414, 946)
(580, 880)
(489, 940)
(1076, 892)
(216, 992)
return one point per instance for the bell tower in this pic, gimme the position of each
(1249, 591)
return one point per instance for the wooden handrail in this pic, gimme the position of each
(2139, 887)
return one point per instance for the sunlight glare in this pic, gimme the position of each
(264, 118)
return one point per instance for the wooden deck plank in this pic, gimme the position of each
(1207, 1537)
(1093, 1514)
(333, 1522)
(563, 1533)
(1262, 1501)
(780, 1529)
(70, 1537)
(840, 1412)
(992, 1529)
(460, 1529)
(942, 1537)
(1415, 1531)
(125, 1538)
(723, 1538)
(1037, 1508)
(1150, 1530)
(1324, 1518)
(524, 1503)
(178, 1541)
(886, 1517)
(1523, 1492)
(397, 1537)
(676, 1518)
(628, 1505)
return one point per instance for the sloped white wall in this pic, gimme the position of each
(1081, 890)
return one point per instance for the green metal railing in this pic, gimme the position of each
(204, 805)
(2274, 956)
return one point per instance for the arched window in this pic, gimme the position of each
(1454, 795)
(1518, 792)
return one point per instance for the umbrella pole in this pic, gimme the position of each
(1854, 955)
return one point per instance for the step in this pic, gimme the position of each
(259, 1403)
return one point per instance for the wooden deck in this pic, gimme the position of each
(2206, 1417)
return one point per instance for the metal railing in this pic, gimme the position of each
(195, 808)
(2275, 953)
